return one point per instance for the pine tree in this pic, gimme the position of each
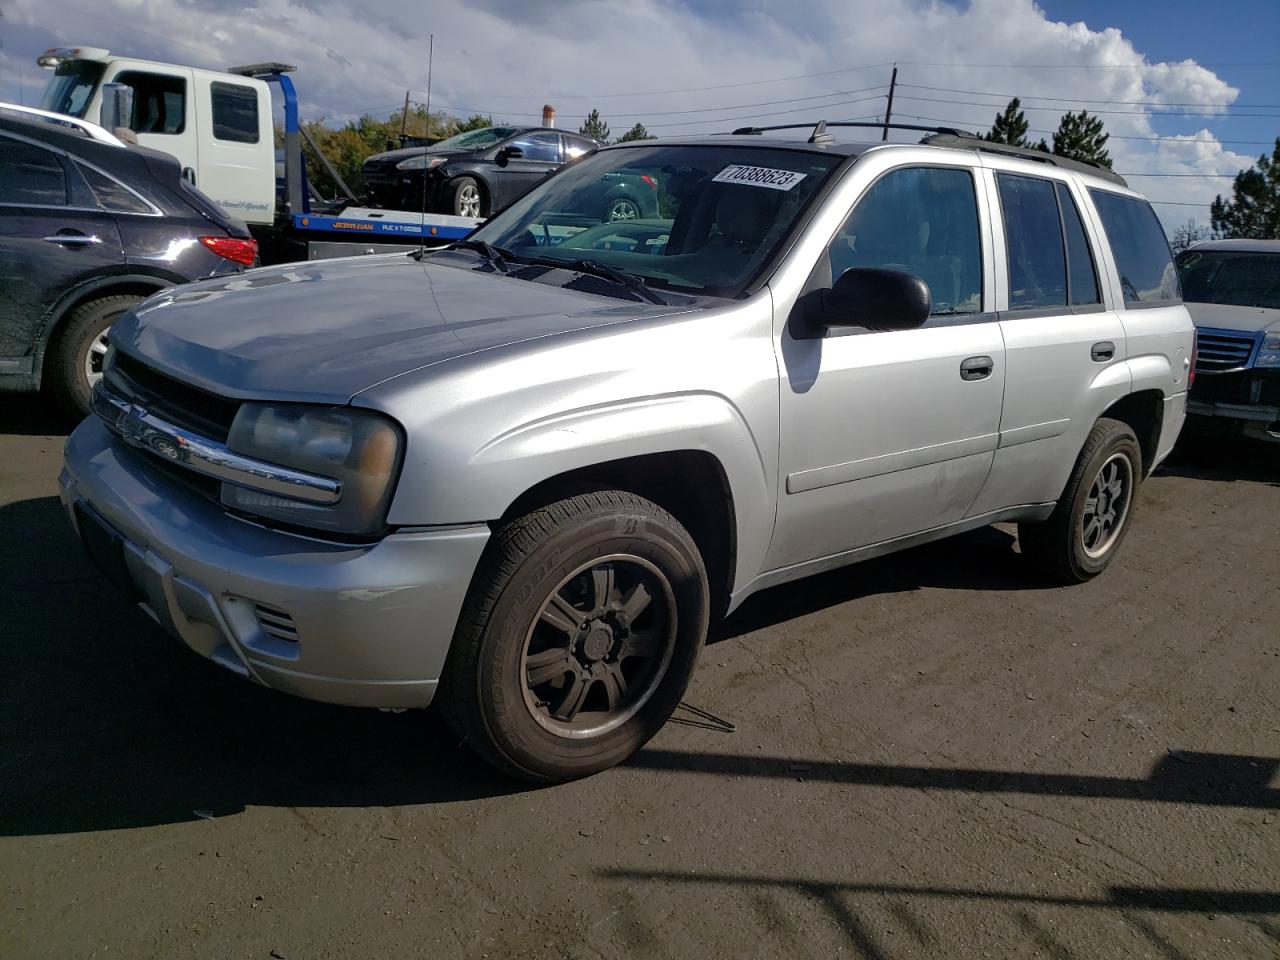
(1080, 137)
(638, 132)
(1253, 212)
(594, 127)
(1010, 127)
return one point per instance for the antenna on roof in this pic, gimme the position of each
(820, 134)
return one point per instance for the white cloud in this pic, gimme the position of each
(508, 57)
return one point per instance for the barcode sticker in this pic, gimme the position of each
(759, 177)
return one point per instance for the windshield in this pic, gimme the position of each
(478, 139)
(697, 218)
(1241, 278)
(71, 86)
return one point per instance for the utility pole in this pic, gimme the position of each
(431, 50)
(404, 117)
(888, 110)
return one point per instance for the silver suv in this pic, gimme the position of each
(520, 476)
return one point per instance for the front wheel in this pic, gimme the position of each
(1085, 530)
(468, 199)
(579, 636)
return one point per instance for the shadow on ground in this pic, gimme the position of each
(1202, 454)
(106, 722)
(33, 415)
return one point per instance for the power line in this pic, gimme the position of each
(1081, 66)
(984, 93)
(1113, 136)
(1141, 113)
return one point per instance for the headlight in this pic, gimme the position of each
(420, 162)
(1269, 355)
(358, 448)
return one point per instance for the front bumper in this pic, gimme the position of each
(1250, 398)
(364, 625)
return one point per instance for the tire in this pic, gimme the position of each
(500, 686)
(622, 208)
(1068, 546)
(78, 346)
(467, 198)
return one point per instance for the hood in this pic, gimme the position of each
(393, 157)
(1223, 316)
(323, 331)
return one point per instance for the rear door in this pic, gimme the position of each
(53, 234)
(889, 433)
(1064, 346)
(236, 155)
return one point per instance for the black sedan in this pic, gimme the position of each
(477, 172)
(90, 226)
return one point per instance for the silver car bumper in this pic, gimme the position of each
(365, 625)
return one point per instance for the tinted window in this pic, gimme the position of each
(112, 196)
(30, 175)
(235, 112)
(1139, 247)
(159, 102)
(1033, 236)
(576, 146)
(539, 146)
(924, 221)
(1081, 275)
(1241, 278)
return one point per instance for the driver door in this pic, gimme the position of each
(886, 434)
(542, 153)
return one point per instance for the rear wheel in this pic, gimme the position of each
(623, 208)
(75, 362)
(468, 198)
(579, 636)
(1091, 519)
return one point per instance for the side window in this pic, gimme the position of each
(540, 146)
(1033, 237)
(1147, 274)
(112, 196)
(235, 112)
(923, 221)
(1082, 277)
(575, 147)
(30, 175)
(159, 102)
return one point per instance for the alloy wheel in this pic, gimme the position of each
(1107, 505)
(599, 646)
(94, 358)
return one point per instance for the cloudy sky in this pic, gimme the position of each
(1188, 90)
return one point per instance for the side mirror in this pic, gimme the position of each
(509, 153)
(117, 106)
(874, 298)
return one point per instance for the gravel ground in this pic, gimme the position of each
(933, 755)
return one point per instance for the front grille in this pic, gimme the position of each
(276, 623)
(179, 403)
(1220, 351)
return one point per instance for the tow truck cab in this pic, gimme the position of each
(218, 125)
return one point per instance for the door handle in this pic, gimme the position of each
(976, 368)
(72, 240)
(1103, 351)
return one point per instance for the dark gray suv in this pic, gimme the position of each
(90, 226)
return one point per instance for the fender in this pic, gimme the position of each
(505, 466)
(134, 280)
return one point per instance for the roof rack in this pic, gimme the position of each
(820, 134)
(89, 129)
(971, 142)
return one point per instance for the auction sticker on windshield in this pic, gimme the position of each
(759, 177)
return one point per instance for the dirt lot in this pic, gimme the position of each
(934, 756)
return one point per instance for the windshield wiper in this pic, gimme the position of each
(496, 256)
(598, 269)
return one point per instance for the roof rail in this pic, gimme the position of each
(971, 142)
(92, 130)
(820, 128)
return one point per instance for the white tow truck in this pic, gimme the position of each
(220, 127)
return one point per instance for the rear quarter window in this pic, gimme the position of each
(1141, 252)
